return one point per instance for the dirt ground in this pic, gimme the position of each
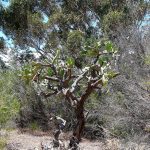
(32, 141)
(29, 140)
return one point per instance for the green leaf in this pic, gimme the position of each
(26, 71)
(4, 109)
(49, 72)
(70, 62)
(112, 74)
(83, 53)
(103, 60)
(37, 64)
(109, 46)
(61, 71)
(92, 53)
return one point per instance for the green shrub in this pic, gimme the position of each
(9, 104)
(93, 104)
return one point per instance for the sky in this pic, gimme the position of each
(146, 20)
(5, 2)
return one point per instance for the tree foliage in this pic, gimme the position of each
(24, 20)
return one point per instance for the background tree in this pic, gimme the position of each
(94, 18)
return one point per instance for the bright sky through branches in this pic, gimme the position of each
(9, 42)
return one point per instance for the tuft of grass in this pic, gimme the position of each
(34, 126)
(119, 131)
(3, 143)
(147, 60)
(119, 97)
(147, 85)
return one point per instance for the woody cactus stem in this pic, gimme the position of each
(80, 112)
(81, 121)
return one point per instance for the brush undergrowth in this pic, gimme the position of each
(9, 103)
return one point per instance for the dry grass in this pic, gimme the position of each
(3, 143)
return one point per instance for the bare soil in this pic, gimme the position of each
(18, 140)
